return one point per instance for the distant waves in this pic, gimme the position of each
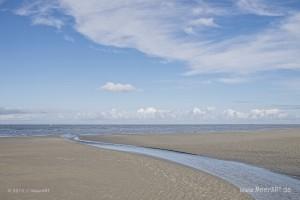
(44, 130)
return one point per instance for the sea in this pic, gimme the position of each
(64, 130)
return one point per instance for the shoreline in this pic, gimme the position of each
(73, 171)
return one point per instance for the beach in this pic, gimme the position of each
(55, 168)
(277, 150)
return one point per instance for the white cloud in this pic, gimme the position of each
(48, 21)
(232, 80)
(115, 114)
(274, 48)
(198, 111)
(69, 38)
(189, 30)
(208, 114)
(230, 113)
(154, 113)
(203, 22)
(210, 108)
(258, 7)
(155, 27)
(203, 111)
(41, 13)
(199, 23)
(267, 113)
(149, 110)
(256, 114)
(117, 87)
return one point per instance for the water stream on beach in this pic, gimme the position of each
(260, 183)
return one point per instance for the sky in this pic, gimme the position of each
(149, 61)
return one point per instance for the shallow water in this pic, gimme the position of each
(34, 130)
(249, 178)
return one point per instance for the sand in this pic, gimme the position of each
(277, 150)
(53, 168)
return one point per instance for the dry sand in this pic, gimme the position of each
(53, 168)
(277, 150)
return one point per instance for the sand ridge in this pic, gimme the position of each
(277, 150)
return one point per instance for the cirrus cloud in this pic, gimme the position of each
(42, 13)
(157, 28)
(258, 7)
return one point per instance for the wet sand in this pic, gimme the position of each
(53, 168)
(277, 150)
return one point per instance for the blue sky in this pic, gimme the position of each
(72, 61)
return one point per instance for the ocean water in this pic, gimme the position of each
(44, 130)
